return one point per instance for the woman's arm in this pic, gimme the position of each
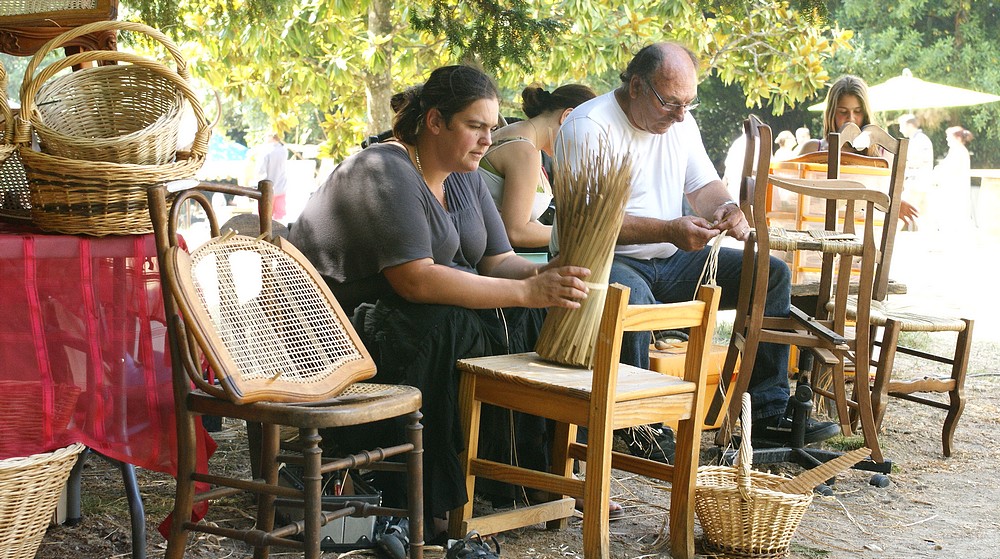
(520, 163)
(422, 281)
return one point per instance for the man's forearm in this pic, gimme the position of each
(641, 230)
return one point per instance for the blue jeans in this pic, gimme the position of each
(675, 279)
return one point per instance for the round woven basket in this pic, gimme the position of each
(29, 493)
(87, 197)
(741, 512)
(115, 113)
(14, 196)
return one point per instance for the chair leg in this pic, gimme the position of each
(415, 485)
(184, 497)
(597, 493)
(956, 396)
(312, 488)
(883, 371)
(469, 413)
(683, 487)
(562, 464)
(268, 442)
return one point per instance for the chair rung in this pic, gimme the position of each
(520, 517)
(921, 385)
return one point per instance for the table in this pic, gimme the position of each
(84, 350)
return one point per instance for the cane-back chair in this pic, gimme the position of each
(893, 318)
(608, 397)
(279, 352)
(824, 338)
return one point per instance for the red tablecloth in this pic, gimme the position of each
(84, 355)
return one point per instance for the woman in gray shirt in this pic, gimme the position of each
(408, 228)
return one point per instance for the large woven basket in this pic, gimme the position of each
(115, 113)
(741, 511)
(14, 198)
(98, 198)
(29, 493)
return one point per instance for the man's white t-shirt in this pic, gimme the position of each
(665, 167)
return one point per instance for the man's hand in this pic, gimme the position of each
(730, 219)
(691, 232)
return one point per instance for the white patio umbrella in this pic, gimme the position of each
(906, 92)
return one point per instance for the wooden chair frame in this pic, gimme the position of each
(826, 337)
(357, 404)
(609, 397)
(892, 322)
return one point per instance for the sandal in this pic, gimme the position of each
(615, 510)
(473, 547)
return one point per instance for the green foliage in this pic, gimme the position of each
(323, 70)
(488, 30)
(953, 42)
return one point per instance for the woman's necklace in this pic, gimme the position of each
(416, 158)
(420, 169)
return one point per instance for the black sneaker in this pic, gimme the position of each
(652, 443)
(777, 431)
(473, 547)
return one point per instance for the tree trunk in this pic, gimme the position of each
(378, 76)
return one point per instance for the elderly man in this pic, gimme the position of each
(661, 252)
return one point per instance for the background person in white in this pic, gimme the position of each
(273, 165)
(919, 179)
(660, 251)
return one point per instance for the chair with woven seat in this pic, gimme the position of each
(894, 318)
(825, 338)
(282, 353)
(610, 396)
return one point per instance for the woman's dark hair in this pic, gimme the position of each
(536, 101)
(449, 89)
(961, 134)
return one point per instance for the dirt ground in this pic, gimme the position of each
(934, 507)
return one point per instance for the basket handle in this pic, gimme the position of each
(97, 26)
(199, 146)
(744, 460)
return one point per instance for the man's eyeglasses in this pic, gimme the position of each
(682, 107)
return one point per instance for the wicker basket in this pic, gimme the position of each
(29, 493)
(98, 197)
(115, 113)
(741, 511)
(14, 197)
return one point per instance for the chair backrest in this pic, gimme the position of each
(699, 315)
(256, 310)
(893, 153)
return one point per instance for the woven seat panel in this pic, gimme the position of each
(26, 7)
(909, 320)
(829, 242)
(271, 316)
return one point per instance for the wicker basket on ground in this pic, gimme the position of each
(115, 113)
(29, 493)
(14, 197)
(750, 514)
(98, 198)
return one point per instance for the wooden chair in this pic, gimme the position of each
(893, 318)
(283, 353)
(611, 396)
(826, 338)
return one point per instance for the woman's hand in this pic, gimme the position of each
(561, 286)
(908, 213)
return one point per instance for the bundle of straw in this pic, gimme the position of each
(590, 197)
